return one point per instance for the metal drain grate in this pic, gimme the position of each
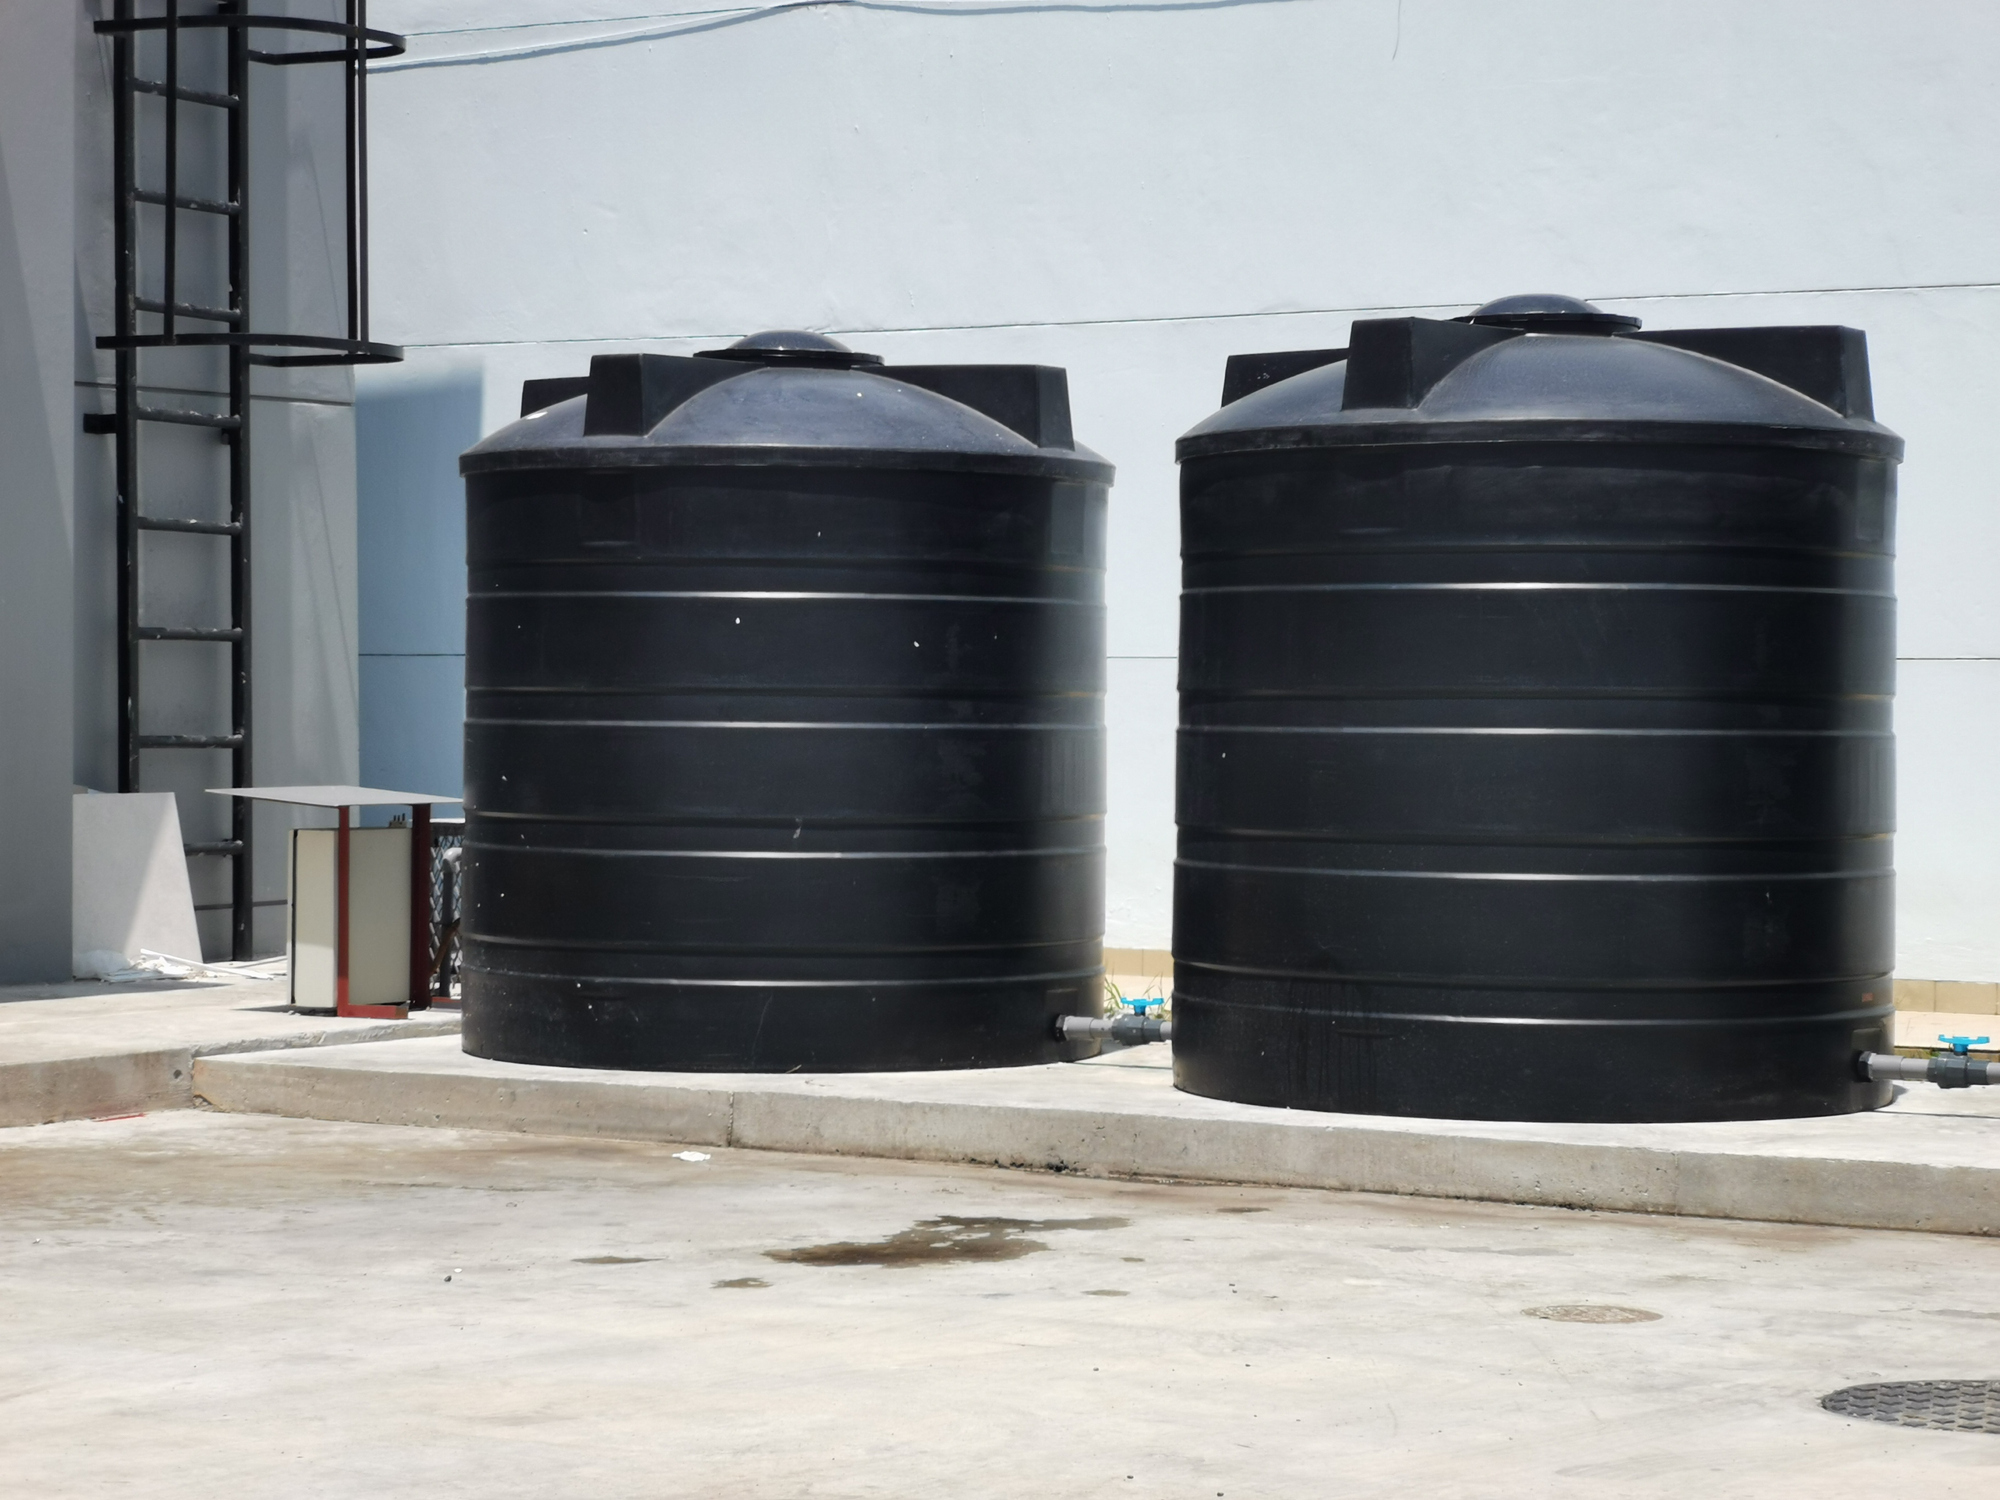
(1944, 1405)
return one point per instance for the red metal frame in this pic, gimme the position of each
(341, 845)
(420, 901)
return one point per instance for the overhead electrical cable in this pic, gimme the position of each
(691, 23)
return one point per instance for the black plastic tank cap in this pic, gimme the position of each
(1548, 312)
(792, 346)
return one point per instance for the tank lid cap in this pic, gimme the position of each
(1548, 312)
(791, 346)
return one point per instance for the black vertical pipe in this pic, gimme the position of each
(170, 213)
(126, 401)
(358, 235)
(242, 888)
(353, 66)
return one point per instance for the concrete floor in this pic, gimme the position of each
(200, 1304)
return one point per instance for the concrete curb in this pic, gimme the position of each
(1347, 1157)
(84, 1088)
(42, 1091)
(587, 1106)
(1937, 1173)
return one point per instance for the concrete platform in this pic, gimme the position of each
(79, 1051)
(1929, 1162)
(208, 1305)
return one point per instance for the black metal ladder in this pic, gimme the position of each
(160, 321)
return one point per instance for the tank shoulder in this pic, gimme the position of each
(1417, 380)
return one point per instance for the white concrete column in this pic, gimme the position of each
(37, 468)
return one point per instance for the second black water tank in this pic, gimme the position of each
(1535, 756)
(784, 728)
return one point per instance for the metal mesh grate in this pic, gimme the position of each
(1944, 1405)
(446, 833)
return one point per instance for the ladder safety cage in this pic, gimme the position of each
(146, 322)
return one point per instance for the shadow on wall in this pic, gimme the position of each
(411, 523)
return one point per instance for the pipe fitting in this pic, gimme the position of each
(1951, 1070)
(1131, 1030)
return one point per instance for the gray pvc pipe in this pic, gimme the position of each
(1132, 1029)
(1948, 1071)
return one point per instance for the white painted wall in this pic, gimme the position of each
(1137, 190)
(410, 427)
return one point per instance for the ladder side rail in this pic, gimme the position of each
(358, 211)
(242, 864)
(170, 216)
(350, 67)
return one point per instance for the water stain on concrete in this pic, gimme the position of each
(744, 1281)
(614, 1260)
(943, 1241)
(1590, 1312)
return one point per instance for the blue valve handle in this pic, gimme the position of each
(1140, 1007)
(1960, 1044)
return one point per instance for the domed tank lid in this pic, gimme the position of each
(1551, 368)
(790, 346)
(794, 399)
(1548, 312)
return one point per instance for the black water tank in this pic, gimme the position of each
(1535, 756)
(784, 716)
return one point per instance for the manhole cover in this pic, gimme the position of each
(1946, 1405)
(1592, 1312)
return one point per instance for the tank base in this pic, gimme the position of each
(748, 1028)
(1363, 1057)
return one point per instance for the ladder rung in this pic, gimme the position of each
(198, 528)
(186, 633)
(220, 846)
(197, 205)
(189, 310)
(186, 96)
(188, 418)
(189, 741)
